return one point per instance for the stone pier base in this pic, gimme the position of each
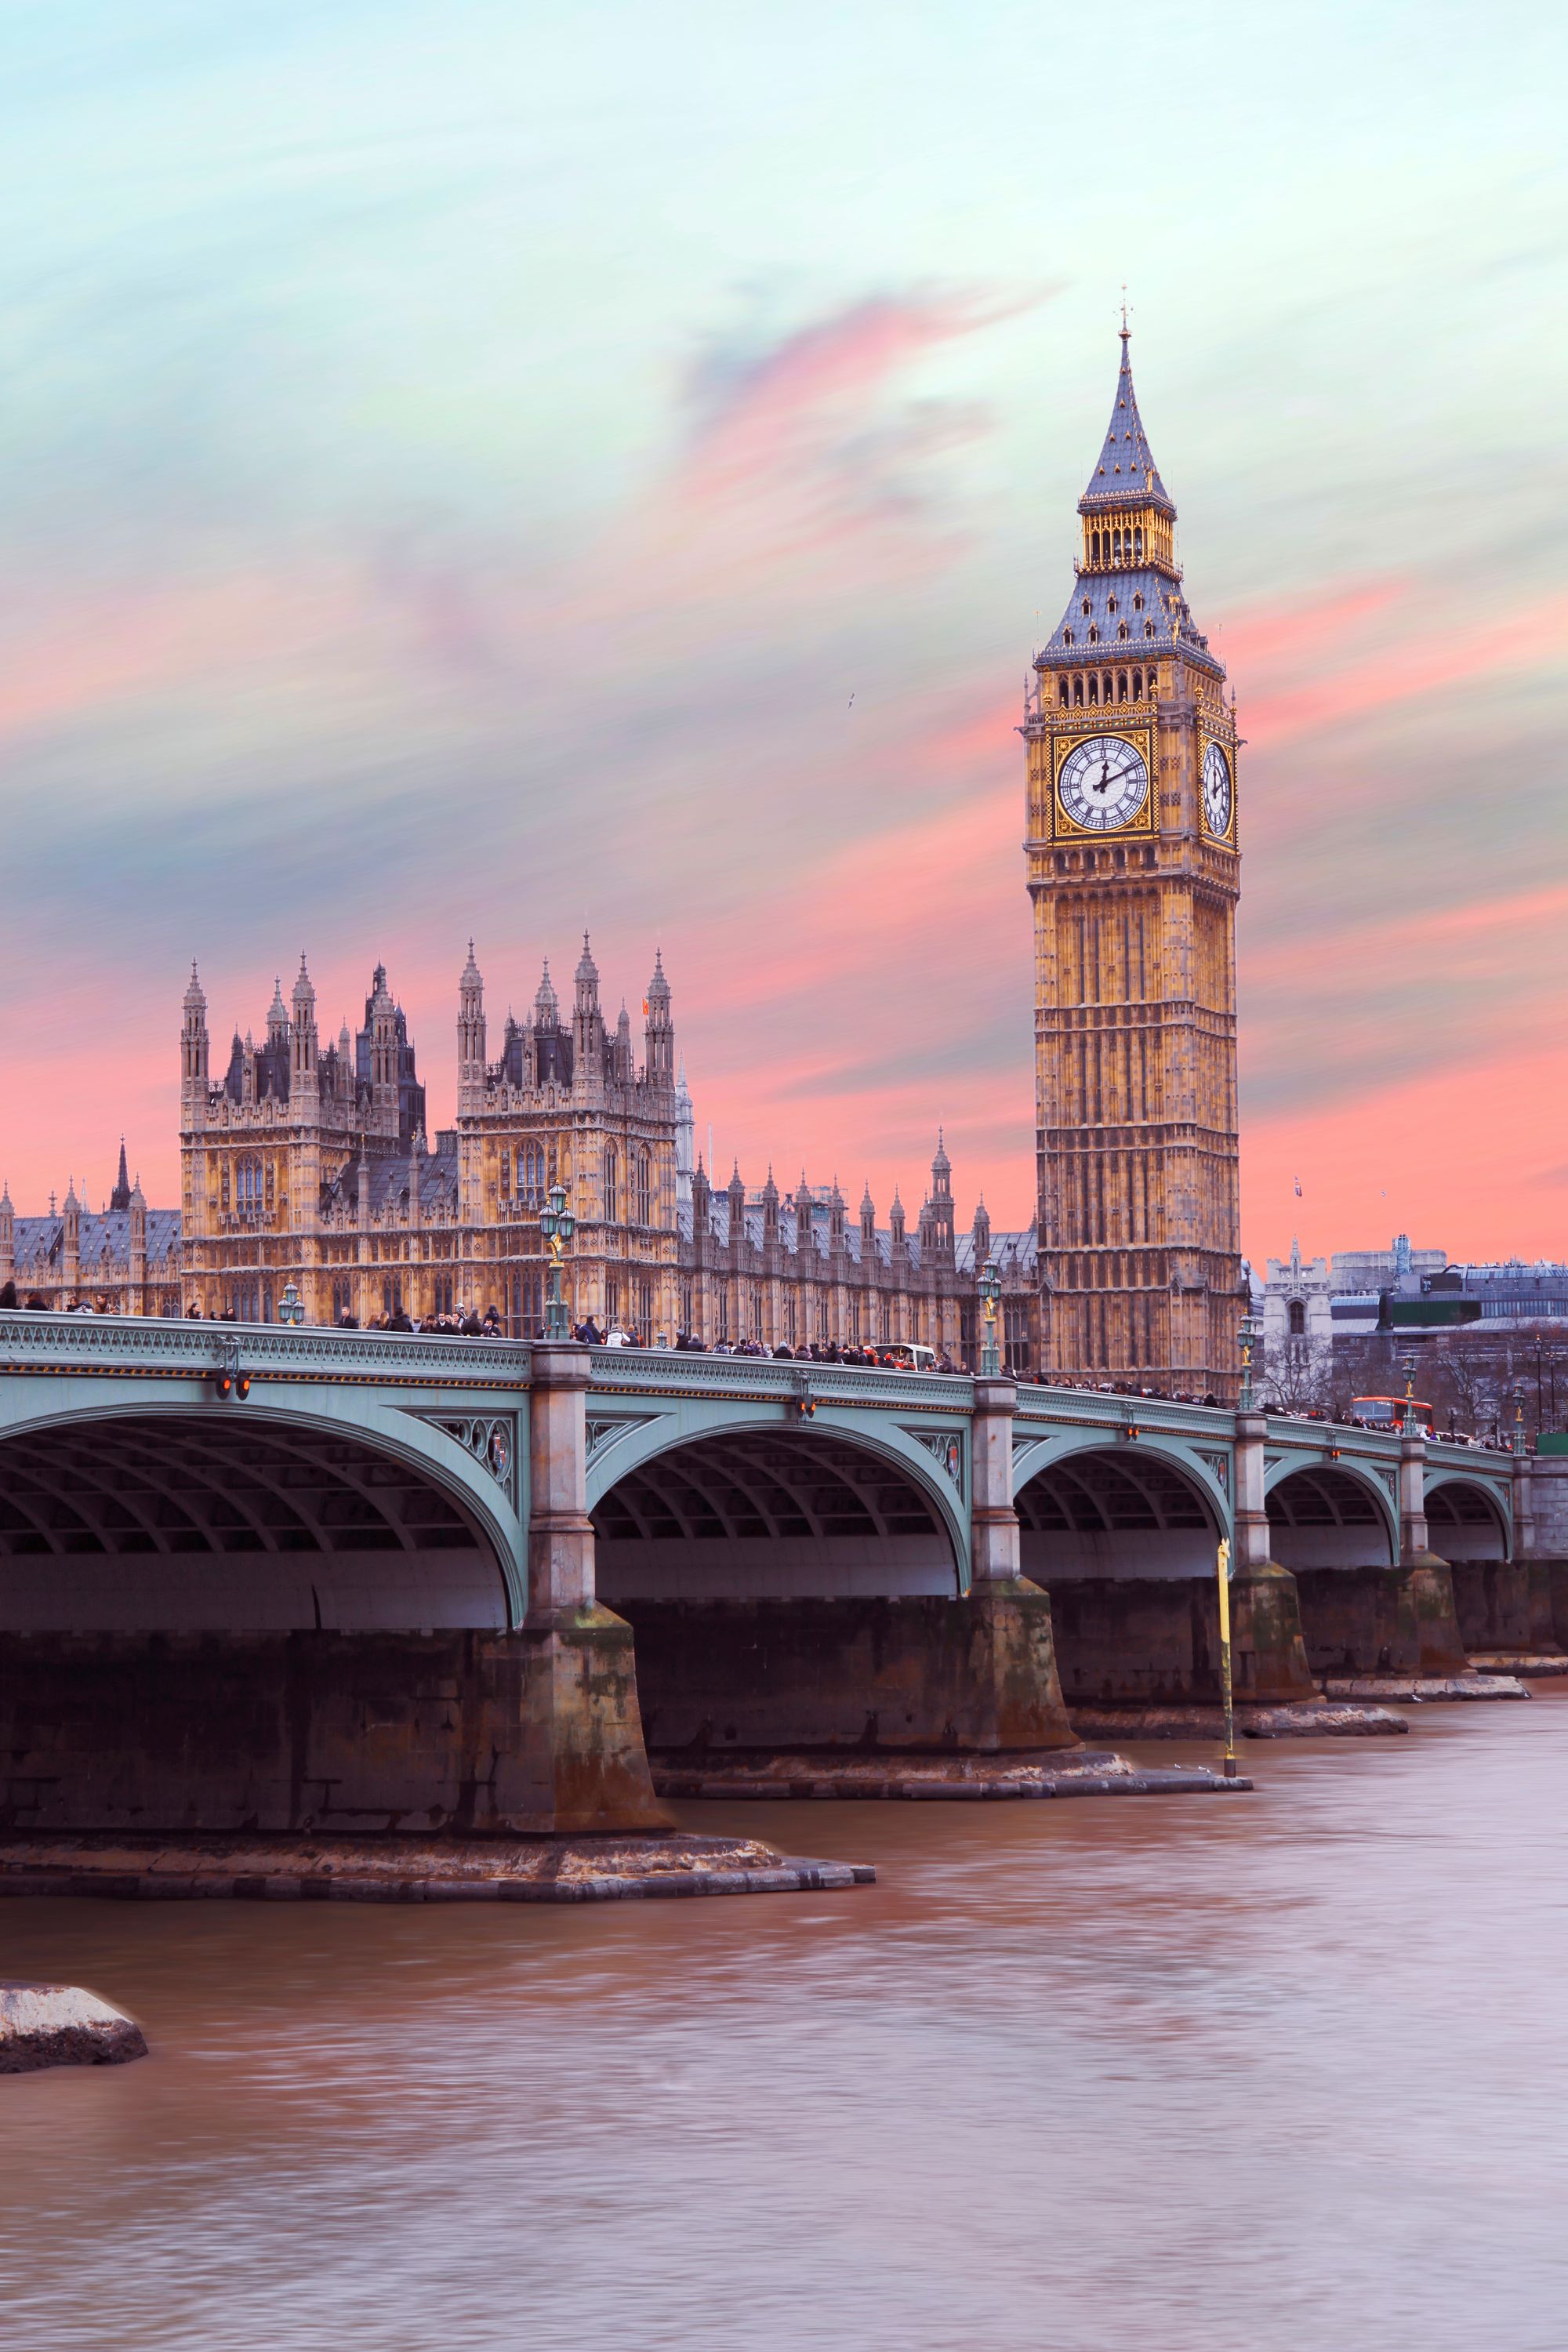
(456, 1734)
(974, 1675)
(1511, 1605)
(1381, 1621)
(1153, 1642)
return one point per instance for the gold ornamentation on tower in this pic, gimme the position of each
(1134, 874)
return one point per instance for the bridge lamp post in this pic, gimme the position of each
(291, 1307)
(1251, 1332)
(990, 1292)
(1517, 1433)
(1407, 1366)
(557, 1225)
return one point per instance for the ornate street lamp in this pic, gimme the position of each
(557, 1225)
(990, 1292)
(291, 1307)
(1407, 1366)
(1251, 1332)
(1517, 1394)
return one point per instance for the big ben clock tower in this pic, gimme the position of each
(1133, 872)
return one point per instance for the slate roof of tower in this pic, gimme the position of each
(1163, 605)
(1125, 469)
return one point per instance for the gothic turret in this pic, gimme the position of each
(277, 1016)
(73, 1238)
(737, 1197)
(867, 1219)
(471, 1038)
(623, 1054)
(770, 1210)
(193, 1054)
(303, 1072)
(119, 1199)
(685, 1136)
(658, 1035)
(942, 1232)
(7, 1234)
(587, 1021)
(899, 1243)
(381, 1021)
(982, 1233)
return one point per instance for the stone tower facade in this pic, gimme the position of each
(1134, 873)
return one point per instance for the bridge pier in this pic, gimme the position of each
(581, 1673)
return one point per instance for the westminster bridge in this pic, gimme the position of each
(256, 1575)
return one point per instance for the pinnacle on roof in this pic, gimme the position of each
(658, 987)
(587, 968)
(121, 1196)
(138, 1198)
(6, 1196)
(941, 1164)
(304, 991)
(545, 1006)
(470, 970)
(277, 1011)
(867, 1206)
(1125, 472)
(195, 1001)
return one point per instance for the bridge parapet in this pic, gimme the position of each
(35, 1342)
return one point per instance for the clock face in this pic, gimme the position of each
(1217, 796)
(1103, 784)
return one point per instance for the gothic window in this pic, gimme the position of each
(886, 1320)
(612, 1299)
(723, 1303)
(271, 1184)
(645, 1188)
(247, 1185)
(1138, 536)
(1093, 633)
(686, 1306)
(222, 1186)
(1297, 1319)
(1062, 695)
(531, 1175)
(1086, 606)
(1122, 685)
(645, 1313)
(1110, 604)
(1137, 686)
(854, 1322)
(1116, 546)
(1078, 688)
(505, 1172)
(611, 1184)
(789, 1318)
(1105, 688)
(1122, 629)
(822, 1321)
(1094, 686)
(1148, 629)
(1066, 636)
(756, 1311)
(1138, 602)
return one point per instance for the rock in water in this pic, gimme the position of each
(60, 2025)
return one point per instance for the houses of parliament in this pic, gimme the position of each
(308, 1160)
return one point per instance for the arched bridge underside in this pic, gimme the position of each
(226, 1522)
(1128, 1513)
(1463, 1523)
(1325, 1517)
(770, 1514)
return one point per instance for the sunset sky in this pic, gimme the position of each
(496, 468)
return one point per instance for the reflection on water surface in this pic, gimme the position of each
(1285, 2071)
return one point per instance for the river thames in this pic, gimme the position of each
(1285, 2070)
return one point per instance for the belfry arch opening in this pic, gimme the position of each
(1123, 1513)
(1464, 1524)
(230, 1523)
(1325, 1517)
(770, 1515)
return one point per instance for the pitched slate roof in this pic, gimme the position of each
(1126, 471)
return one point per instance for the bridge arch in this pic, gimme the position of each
(753, 1509)
(256, 1517)
(1330, 1514)
(1099, 1510)
(1465, 1519)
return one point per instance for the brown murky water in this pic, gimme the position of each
(1280, 2071)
